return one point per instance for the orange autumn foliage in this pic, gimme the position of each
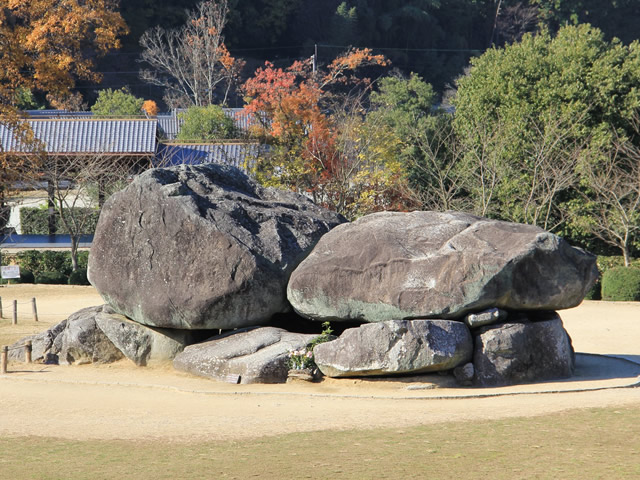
(292, 106)
(45, 45)
(150, 108)
(290, 99)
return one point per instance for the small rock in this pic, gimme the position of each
(487, 317)
(464, 374)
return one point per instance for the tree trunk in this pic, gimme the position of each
(51, 205)
(625, 254)
(75, 240)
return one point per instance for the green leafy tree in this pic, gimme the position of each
(117, 103)
(617, 18)
(545, 101)
(208, 123)
(426, 142)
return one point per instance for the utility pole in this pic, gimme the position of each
(315, 58)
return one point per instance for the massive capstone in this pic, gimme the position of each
(202, 247)
(392, 265)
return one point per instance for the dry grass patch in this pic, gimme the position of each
(593, 443)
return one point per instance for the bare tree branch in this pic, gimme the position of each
(192, 62)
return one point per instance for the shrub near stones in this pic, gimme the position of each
(621, 284)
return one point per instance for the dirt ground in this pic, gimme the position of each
(122, 401)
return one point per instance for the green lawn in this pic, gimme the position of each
(580, 444)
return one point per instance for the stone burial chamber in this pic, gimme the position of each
(444, 291)
(184, 252)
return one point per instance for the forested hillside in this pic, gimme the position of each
(433, 38)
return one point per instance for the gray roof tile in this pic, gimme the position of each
(88, 136)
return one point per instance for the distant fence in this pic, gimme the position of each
(34, 310)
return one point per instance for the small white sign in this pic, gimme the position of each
(10, 271)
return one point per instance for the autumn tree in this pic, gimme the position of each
(192, 63)
(45, 45)
(292, 107)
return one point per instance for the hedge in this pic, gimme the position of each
(606, 263)
(621, 284)
(53, 278)
(35, 221)
(38, 261)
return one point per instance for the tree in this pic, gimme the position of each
(292, 107)
(534, 110)
(208, 124)
(611, 208)
(44, 46)
(150, 108)
(78, 186)
(192, 63)
(616, 18)
(428, 146)
(117, 103)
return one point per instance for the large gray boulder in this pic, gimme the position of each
(396, 347)
(202, 247)
(42, 344)
(257, 355)
(82, 341)
(140, 344)
(437, 265)
(523, 352)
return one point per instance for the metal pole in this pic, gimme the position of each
(315, 58)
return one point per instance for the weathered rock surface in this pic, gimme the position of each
(82, 341)
(437, 265)
(396, 347)
(41, 344)
(202, 247)
(257, 355)
(512, 353)
(141, 344)
(76, 340)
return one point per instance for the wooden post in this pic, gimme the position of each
(35, 309)
(1, 307)
(3, 360)
(15, 312)
(28, 348)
